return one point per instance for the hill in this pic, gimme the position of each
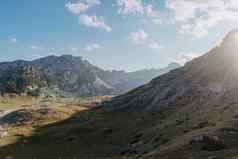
(68, 76)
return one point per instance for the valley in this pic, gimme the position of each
(119, 79)
(20, 116)
(189, 113)
(73, 130)
(69, 76)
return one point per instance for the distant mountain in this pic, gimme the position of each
(125, 81)
(20, 77)
(68, 76)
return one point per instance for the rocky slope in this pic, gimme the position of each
(197, 105)
(72, 76)
(68, 76)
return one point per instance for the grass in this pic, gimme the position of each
(78, 131)
(80, 136)
(26, 107)
(7, 103)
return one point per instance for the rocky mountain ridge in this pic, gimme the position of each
(196, 106)
(68, 76)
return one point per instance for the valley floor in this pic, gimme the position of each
(76, 129)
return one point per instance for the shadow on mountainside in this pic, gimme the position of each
(97, 133)
(91, 133)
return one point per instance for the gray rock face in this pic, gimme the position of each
(72, 76)
(67, 76)
(20, 78)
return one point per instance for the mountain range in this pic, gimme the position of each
(69, 76)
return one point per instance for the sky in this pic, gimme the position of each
(115, 34)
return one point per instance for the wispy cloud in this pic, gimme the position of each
(136, 7)
(95, 22)
(92, 47)
(197, 16)
(12, 40)
(130, 7)
(141, 37)
(155, 45)
(183, 57)
(138, 37)
(81, 6)
(36, 56)
(74, 49)
(36, 48)
(152, 15)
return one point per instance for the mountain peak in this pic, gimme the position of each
(69, 57)
(65, 56)
(68, 75)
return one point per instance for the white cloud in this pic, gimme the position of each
(183, 58)
(197, 16)
(12, 40)
(92, 47)
(130, 7)
(149, 10)
(136, 7)
(81, 6)
(74, 49)
(155, 45)
(36, 56)
(152, 15)
(94, 21)
(90, 21)
(138, 37)
(35, 48)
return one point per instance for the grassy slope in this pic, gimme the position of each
(100, 134)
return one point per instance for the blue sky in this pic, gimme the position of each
(114, 34)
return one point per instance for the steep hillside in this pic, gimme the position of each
(72, 76)
(197, 105)
(68, 76)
